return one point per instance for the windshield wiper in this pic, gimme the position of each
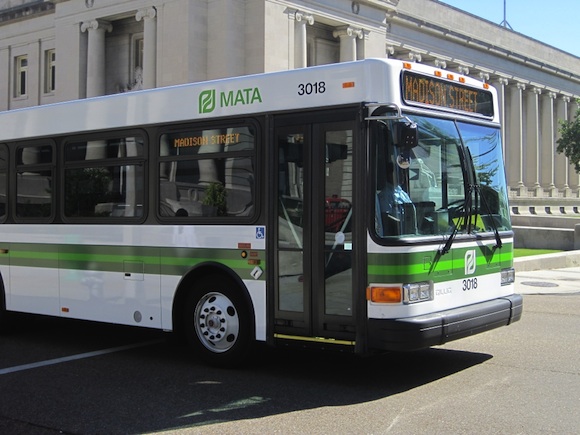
(465, 219)
(469, 216)
(445, 249)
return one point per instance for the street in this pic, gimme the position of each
(80, 378)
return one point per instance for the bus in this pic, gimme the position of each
(359, 206)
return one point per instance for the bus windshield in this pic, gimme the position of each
(451, 182)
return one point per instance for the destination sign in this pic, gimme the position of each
(434, 91)
(201, 140)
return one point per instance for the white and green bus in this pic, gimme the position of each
(359, 206)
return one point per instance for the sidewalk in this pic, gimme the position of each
(548, 274)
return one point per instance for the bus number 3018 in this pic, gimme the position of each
(311, 88)
(469, 284)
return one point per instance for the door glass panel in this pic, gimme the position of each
(291, 282)
(291, 223)
(338, 223)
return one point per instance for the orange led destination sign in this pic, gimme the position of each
(433, 91)
(201, 140)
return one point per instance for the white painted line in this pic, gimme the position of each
(75, 357)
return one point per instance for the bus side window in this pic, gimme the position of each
(3, 179)
(104, 178)
(34, 181)
(240, 186)
(200, 176)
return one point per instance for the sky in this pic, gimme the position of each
(553, 22)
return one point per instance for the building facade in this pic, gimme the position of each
(53, 51)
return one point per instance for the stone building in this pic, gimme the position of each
(52, 51)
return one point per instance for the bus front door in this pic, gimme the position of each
(313, 264)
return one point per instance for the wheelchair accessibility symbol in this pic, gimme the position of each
(260, 233)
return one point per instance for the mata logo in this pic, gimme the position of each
(208, 99)
(470, 262)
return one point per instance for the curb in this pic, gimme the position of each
(558, 260)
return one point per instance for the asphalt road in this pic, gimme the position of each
(80, 378)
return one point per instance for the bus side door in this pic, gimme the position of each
(314, 226)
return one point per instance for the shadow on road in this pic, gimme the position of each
(163, 387)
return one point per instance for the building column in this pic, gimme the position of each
(149, 17)
(301, 20)
(226, 38)
(500, 85)
(548, 144)
(561, 162)
(515, 139)
(440, 63)
(574, 177)
(533, 141)
(96, 30)
(348, 36)
(363, 47)
(5, 93)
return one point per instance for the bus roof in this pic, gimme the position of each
(369, 80)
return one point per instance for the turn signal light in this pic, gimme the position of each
(392, 294)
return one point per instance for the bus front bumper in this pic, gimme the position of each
(420, 332)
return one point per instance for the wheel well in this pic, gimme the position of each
(188, 284)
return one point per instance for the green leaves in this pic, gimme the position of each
(569, 142)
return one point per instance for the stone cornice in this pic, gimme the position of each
(26, 11)
(391, 4)
(563, 66)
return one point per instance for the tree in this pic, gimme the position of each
(569, 142)
(215, 196)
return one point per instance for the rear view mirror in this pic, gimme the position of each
(407, 136)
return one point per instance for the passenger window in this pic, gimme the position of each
(207, 173)
(3, 180)
(104, 178)
(34, 181)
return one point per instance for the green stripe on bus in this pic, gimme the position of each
(133, 259)
(424, 266)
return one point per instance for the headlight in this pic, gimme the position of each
(508, 276)
(417, 292)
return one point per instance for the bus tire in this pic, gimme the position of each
(218, 322)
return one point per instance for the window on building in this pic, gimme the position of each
(138, 49)
(137, 61)
(21, 75)
(49, 71)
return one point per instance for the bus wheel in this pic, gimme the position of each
(217, 322)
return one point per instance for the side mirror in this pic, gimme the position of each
(407, 136)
